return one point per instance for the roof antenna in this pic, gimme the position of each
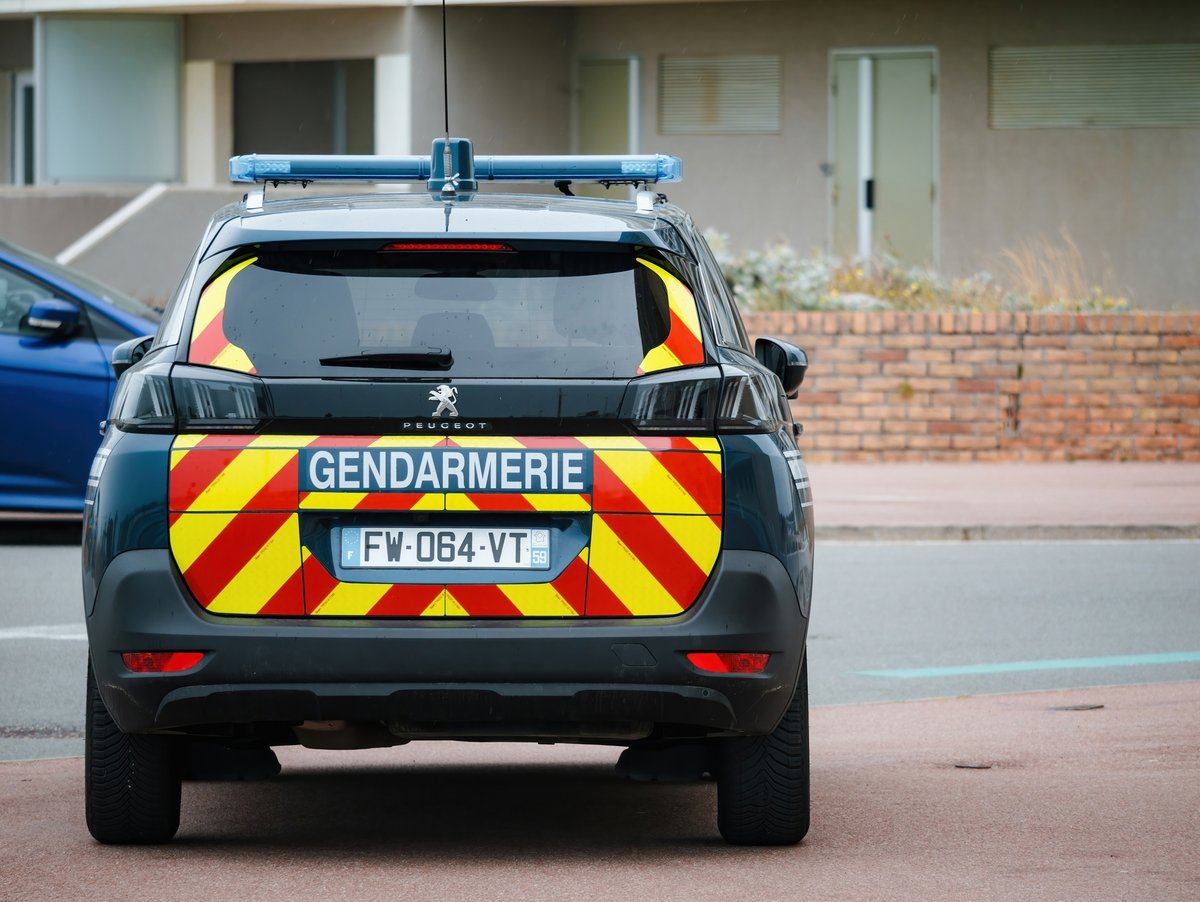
(447, 160)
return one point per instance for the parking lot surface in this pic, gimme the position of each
(1078, 794)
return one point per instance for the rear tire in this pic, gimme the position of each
(762, 781)
(131, 782)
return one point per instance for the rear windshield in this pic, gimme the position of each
(599, 311)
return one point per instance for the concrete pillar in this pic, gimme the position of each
(207, 122)
(6, 135)
(393, 104)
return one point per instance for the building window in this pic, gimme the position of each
(1134, 86)
(318, 106)
(718, 95)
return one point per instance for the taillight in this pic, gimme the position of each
(705, 399)
(751, 402)
(189, 399)
(673, 401)
(218, 400)
(729, 661)
(143, 401)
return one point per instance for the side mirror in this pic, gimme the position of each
(785, 360)
(51, 318)
(130, 352)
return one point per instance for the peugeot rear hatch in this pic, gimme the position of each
(421, 428)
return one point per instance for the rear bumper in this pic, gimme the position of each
(468, 678)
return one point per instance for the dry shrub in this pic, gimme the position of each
(1055, 276)
(1038, 276)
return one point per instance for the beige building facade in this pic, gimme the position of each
(942, 132)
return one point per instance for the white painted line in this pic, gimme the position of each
(106, 227)
(71, 632)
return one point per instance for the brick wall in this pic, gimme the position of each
(995, 386)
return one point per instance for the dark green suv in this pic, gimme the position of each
(450, 465)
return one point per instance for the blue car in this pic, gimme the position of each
(58, 329)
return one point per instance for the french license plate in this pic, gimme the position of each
(490, 548)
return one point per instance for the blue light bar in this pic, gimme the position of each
(260, 167)
(314, 168)
(638, 168)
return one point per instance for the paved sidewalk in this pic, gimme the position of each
(880, 501)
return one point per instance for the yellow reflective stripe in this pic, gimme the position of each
(625, 574)
(700, 537)
(679, 298)
(653, 483)
(334, 501)
(538, 600)
(242, 479)
(453, 608)
(706, 444)
(212, 299)
(612, 442)
(540, 501)
(297, 442)
(351, 599)
(192, 534)
(659, 358)
(561, 502)
(282, 441)
(184, 442)
(437, 607)
(344, 501)
(263, 575)
(231, 357)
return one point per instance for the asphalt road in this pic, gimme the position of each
(890, 622)
(1076, 794)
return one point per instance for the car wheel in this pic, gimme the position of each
(131, 782)
(762, 781)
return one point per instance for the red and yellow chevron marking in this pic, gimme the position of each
(563, 597)
(660, 482)
(234, 479)
(628, 580)
(684, 345)
(371, 501)
(651, 443)
(209, 344)
(328, 596)
(246, 563)
(655, 531)
(545, 502)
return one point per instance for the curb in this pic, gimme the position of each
(1010, 533)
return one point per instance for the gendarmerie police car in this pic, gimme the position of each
(450, 465)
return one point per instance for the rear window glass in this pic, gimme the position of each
(584, 312)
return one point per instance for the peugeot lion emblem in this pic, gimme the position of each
(447, 397)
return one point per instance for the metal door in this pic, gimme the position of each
(883, 136)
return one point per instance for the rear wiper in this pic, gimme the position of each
(426, 359)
